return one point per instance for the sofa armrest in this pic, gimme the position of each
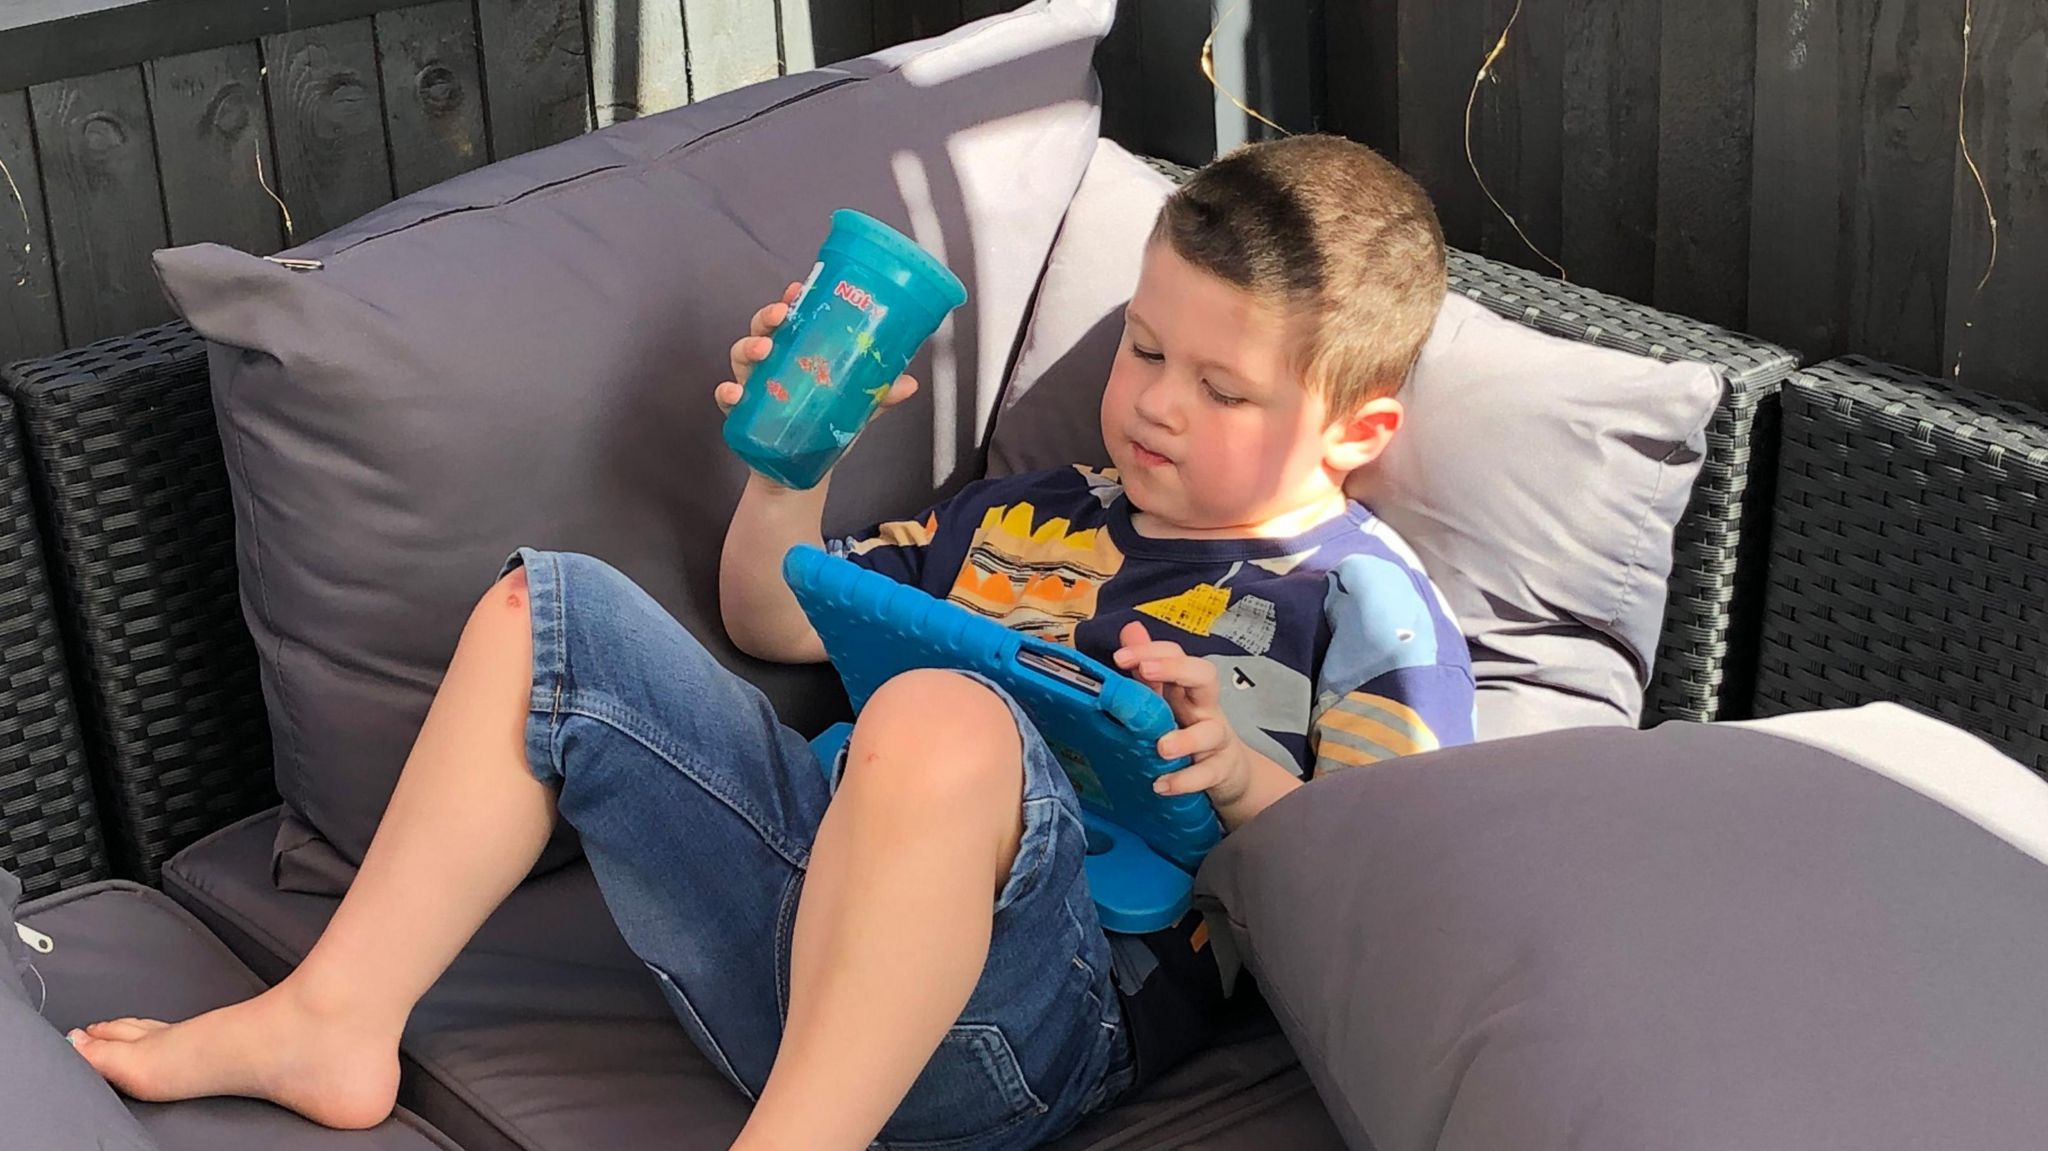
(128, 469)
(1909, 554)
(49, 818)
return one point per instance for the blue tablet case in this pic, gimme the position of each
(1103, 726)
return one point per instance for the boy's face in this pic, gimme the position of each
(1205, 418)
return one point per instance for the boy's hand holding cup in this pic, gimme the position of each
(816, 365)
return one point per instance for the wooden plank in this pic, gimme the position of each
(537, 69)
(1705, 110)
(1441, 47)
(1120, 65)
(433, 97)
(1520, 135)
(972, 10)
(105, 203)
(840, 29)
(1903, 62)
(212, 131)
(2000, 334)
(1264, 54)
(1608, 198)
(639, 58)
(732, 44)
(1795, 251)
(798, 42)
(1361, 68)
(901, 21)
(1180, 101)
(53, 41)
(332, 165)
(30, 323)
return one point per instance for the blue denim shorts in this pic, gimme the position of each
(697, 809)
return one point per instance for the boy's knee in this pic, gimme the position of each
(506, 602)
(940, 727)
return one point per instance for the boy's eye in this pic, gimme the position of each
(1148, 357)
(1227, 401)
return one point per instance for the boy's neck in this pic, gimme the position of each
(1294, 522)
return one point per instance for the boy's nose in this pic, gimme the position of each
(1155, 405)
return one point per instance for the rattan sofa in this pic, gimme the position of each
(1889, 540)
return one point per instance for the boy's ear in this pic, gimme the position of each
(1356, 441)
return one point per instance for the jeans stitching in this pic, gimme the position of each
(785, 942)
(717, 1052)
(994, 1055)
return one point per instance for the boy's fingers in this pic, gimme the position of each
(748, 351)
(768, 319)
(1131, 655)
(901, 390)
(794, 290)
(727, 394)
(1188, 780)
(1133, 634)
(1192, 672)
(1202, 737)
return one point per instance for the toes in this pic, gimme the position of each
(123, 1030)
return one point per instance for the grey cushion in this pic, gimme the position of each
(1050, 416)
(1538, 479)
(121, 949)
(548, 1035)
(525, 355)
(50, 1099)
(1695, 937)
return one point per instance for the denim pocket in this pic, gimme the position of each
(693, 1023)
(971, 1095)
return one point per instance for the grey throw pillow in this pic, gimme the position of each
(1538, 479)
(525, 355)
(50, 1099)
(1693, 938)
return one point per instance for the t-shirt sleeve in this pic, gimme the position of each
(903, 549)
(896, 548)
(1396, 678)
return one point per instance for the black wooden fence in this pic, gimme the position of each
(1794, 168)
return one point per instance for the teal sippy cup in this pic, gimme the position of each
(872, 299)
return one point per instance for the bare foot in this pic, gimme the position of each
(331, 1067)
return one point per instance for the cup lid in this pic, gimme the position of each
(938, 277)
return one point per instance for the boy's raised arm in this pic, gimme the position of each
(760, 613)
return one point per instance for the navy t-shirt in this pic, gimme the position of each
(1332, 647)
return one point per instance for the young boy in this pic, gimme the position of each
(906, 948)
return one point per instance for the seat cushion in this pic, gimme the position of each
(47, 1093)
(1539, 479)
(118, 949)
(525, 354)
(547, 1034)
(1818, 933)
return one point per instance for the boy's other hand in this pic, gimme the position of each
(753, 347)
(1223, 764)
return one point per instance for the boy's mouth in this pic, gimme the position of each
(1147, 456)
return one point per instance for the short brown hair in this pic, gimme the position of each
(1331, 233)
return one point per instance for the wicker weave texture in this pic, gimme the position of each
(49, 819)
(128, 464)
(1909, 557)
(1706, 657)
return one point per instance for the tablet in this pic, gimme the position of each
(1102, 726)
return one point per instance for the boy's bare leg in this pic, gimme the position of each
(465, 825)
(893, 927)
